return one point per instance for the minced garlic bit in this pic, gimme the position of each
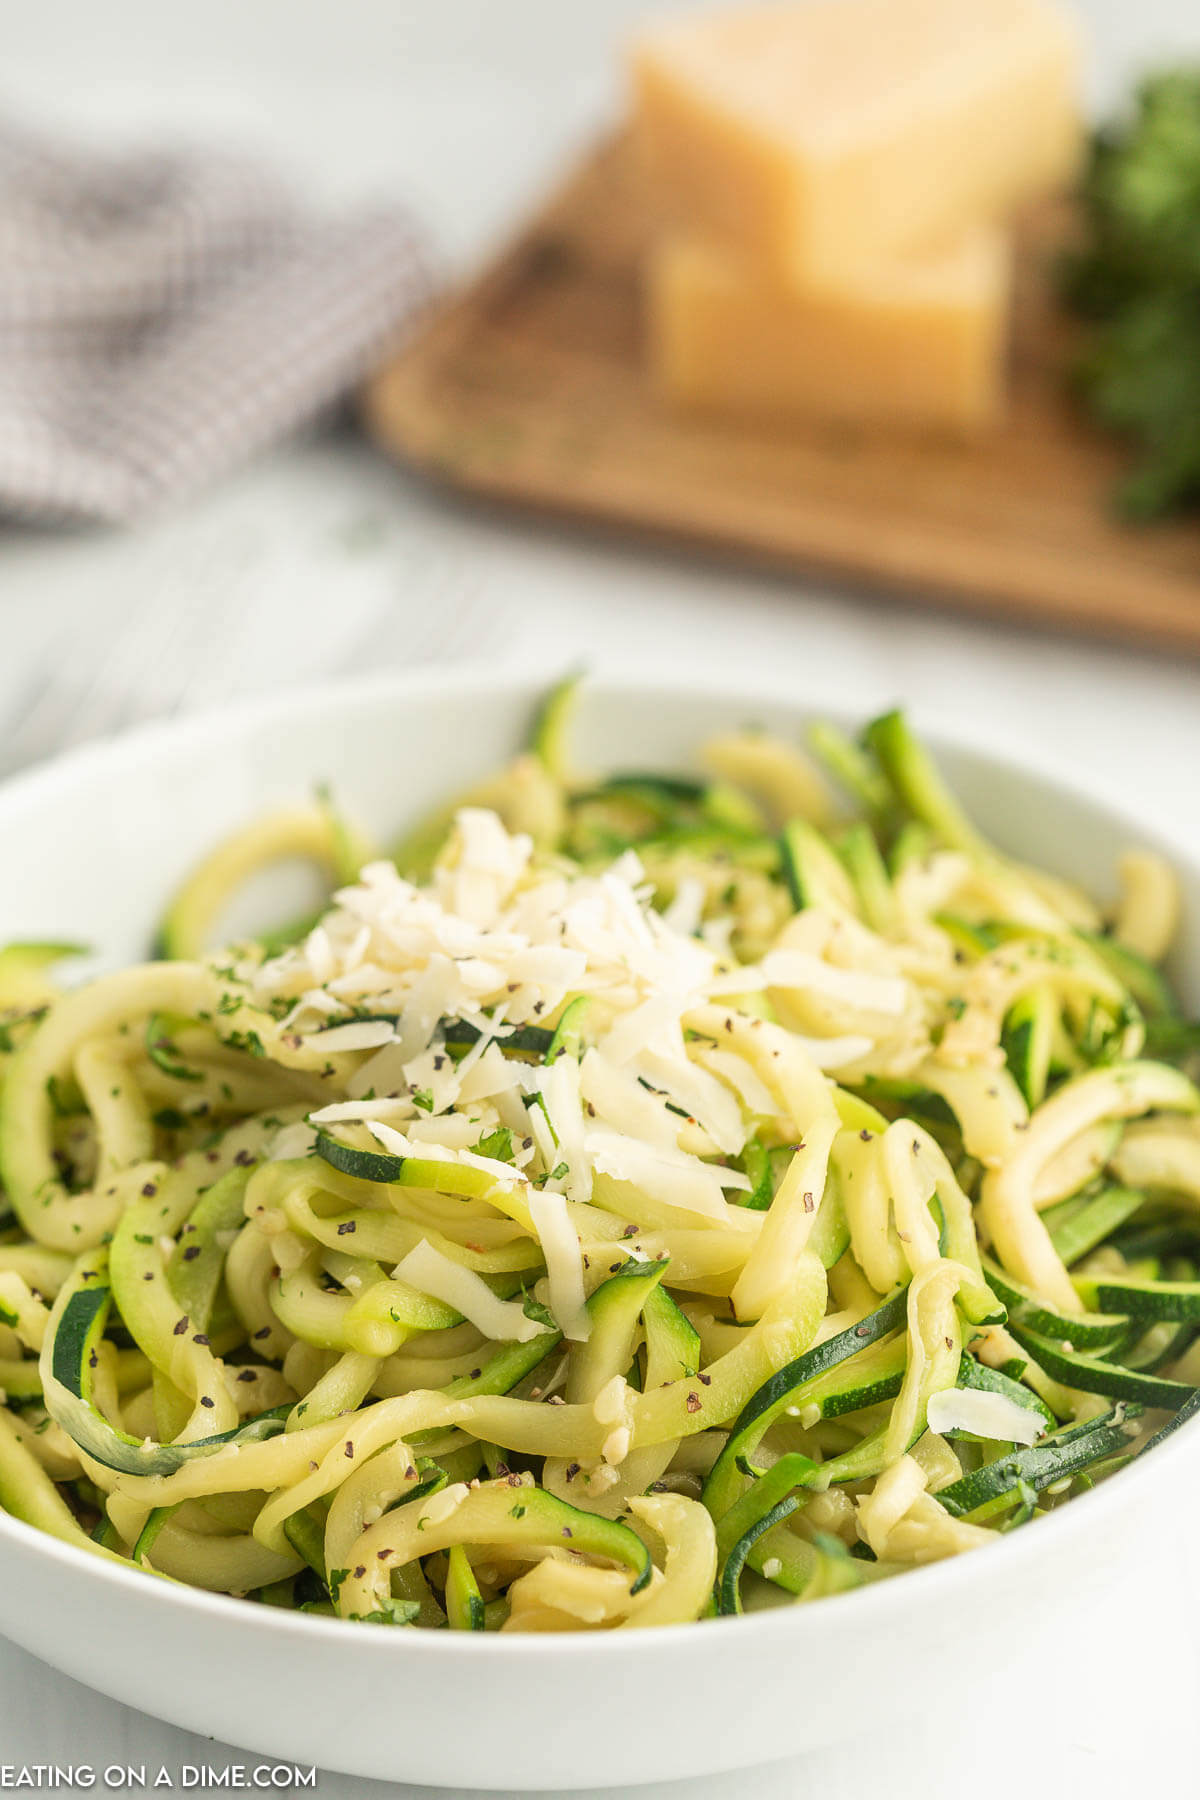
(615, 1447)
(608, 1408)
(439, 1507)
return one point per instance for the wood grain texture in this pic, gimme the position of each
(530, 387)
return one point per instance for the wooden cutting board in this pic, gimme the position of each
(530, 387)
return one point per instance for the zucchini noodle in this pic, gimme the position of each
(638, 1198)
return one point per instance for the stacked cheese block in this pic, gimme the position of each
(835, 178)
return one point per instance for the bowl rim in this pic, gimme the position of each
(873, 1603)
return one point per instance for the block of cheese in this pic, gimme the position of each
(824, 136)
(919, 342)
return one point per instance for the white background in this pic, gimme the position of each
(288, 570)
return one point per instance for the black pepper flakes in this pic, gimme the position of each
(704, 1380)
(693, 1403)
(181, 1325)
(207, 1400)
(349, 1451)
(191, 1252)
(149, 1190)
(346, 1226)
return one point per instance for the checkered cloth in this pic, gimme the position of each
(163, 316)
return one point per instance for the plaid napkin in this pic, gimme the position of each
(163, 316)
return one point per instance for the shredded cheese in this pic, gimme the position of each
(564, 1263)
(984, 1414)
(431, 1272)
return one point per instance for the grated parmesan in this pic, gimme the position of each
(564, 1263)
(433, 1273)
(985, 1415)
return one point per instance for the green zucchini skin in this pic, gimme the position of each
(411, 1171)
(614, 1308)
(148, 1535)
(1095, 1376)
(163, 1053)
(517, 1512)
(876, 1374)
(567, 1036)
(1028, 1043)
(1142, 1299)
(728, 1594)
(998, 1485)
(1088, 1331)
(1077, 1225)
(529, 1043)
(720, 1489)
(551, 723)
(672, 1341)
(916, 782)
(1161, 1343)
(910, 1099)
(465, 1610)
(755, 1163)
(501, 1372)
(813, 871)
(1171, 1039)
(859, 851)
(766, 1168)
(830, 1235)
(306, 1534)
(1144, 982)
(855, 768)
(1181, 1416)
(366, 1165)
(68, 1398)
(197, 1262)
(671, 790)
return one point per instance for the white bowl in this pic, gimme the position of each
(95, 841)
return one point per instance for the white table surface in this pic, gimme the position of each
(469, 106)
